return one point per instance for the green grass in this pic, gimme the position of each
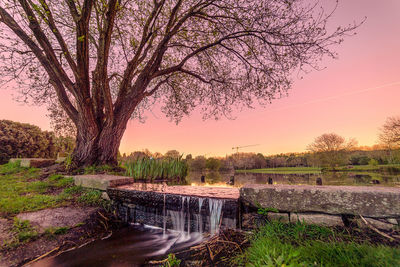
(389, 168)
(279, 244)
(150, 169)
(21, 190)
(363, 168)
(286, 170)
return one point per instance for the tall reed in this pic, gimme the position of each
(150, 169)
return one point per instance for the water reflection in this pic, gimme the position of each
(328, 178)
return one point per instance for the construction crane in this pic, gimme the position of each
(237, 147)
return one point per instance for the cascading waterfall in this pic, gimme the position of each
(215, 206)
(164, 217)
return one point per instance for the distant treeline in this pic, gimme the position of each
(23, 140)
(258, 160)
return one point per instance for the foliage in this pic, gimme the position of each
(22, 190)
(219, 55)
(51, 232)
(279, 244)
(265, 211)
(24, 231)
(390, 132)
(285, 170)
(373, 162)
(198, 163)
(172, 261)
(151, 169)
(18, 140)
(213, 164)
(331, 149)
(90, 197)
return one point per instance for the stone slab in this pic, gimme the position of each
(319, 219)
(276, 216)
(57, 217)
(375, 202)
(34, 162)
(101, 181)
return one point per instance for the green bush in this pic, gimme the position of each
(373, 162)
(18, 140)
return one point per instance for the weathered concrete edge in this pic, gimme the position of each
(101, 182)
(374, 202)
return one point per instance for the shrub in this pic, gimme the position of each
(19, 140)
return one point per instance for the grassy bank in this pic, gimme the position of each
(388, 168)
(285, 170)
(279, 244)
(23, 189)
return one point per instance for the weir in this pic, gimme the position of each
(177, 210)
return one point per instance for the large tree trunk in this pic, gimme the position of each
(97, 145)
(100, 149)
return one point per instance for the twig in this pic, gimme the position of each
(44, 255)
(231, 242)
(104, 217)
(375, 229)
(210, 254)
(158, 262)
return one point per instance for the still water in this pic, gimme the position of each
(327, 178)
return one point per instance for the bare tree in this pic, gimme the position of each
(331, 148)
(390, 132)
(105, 62)
(390, 136)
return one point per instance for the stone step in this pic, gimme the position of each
(33, 162)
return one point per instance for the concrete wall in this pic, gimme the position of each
(324, 205)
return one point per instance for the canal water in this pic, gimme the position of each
(129, 246)
(326, 178)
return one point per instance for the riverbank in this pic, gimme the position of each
(389, 168)
(41, 211)
(276, 243)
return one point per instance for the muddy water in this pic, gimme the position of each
(129, 246)
(328, 178)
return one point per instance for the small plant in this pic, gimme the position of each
(53, 231)
(24, 230)
(90, 197)
(172, 261)
(68, 162)
(264, 211)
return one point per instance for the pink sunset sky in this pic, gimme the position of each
(352, 97)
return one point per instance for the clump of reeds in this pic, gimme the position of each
(150, 169)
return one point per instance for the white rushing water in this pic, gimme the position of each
(215, 206)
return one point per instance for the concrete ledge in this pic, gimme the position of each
(375, 202)
(101, 181)
(34, 162)
(320, 219)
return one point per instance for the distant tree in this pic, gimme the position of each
(331, 149)
(198, 163)
(259, 161)
(104, 62)
(359, 160)
(390, 132)
(189, 157)
(172, 154)
(213, 164)
(18, 140)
